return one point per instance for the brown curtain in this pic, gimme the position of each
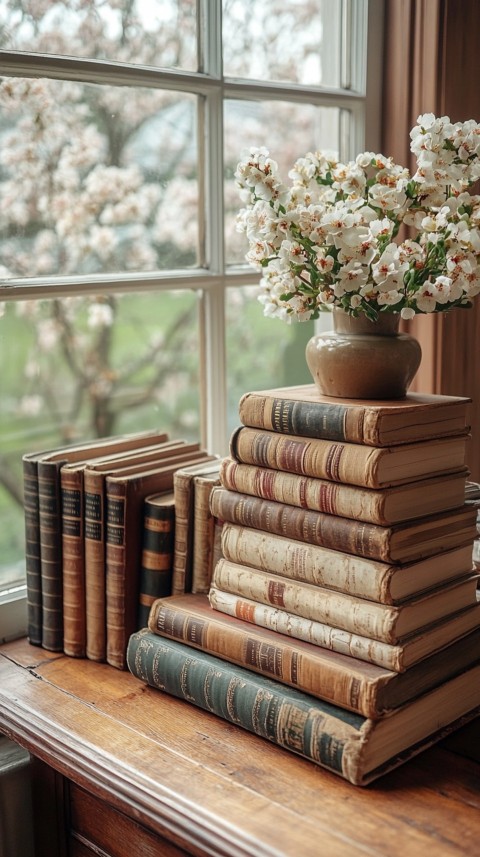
(432, 64)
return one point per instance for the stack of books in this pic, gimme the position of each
(90, 510)
(342, 620)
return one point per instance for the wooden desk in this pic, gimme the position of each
(124, 770)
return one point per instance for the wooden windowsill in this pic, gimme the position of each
(211, 788)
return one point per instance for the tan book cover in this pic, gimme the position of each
(387, 583)
(383, 506)
(184, 491)
(349, 463)
(384, 622)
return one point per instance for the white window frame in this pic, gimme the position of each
(359, 94)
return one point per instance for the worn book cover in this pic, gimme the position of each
(205, 533)
(357, 748)
(346, 681)
(348, 463)
(387, 583)
(184, 491)
(374, 506)
(399, 657)
(303, 411)
(405, 542)
(124, 497)
(94, 476)
(43, 523)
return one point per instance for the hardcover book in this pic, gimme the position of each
(44, 528)
(73, 536)
(402, 543)
(383, 506)
(348, 682)
(157, 552)
(382, 622)
(184, 491)
(124, 497)
(303, 411)
(386, 583)
(349, 463)
(206, 548)
(94, 476)
(398, 657)
(356, 748)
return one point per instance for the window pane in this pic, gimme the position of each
(296, 41)
(261, 352)
(79, 368)
(96, 179)
(160, 33)
(287, 130)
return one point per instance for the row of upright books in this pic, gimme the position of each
(100, 538)
(342, 620)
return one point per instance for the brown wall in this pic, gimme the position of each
(432, 64)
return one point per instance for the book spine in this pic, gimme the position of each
(356, 615)
(49, 507)
(116, 584)
(335, 639)
(308, 563)
(73, 564)
(95, 597)
(203, 535)
(32, 552)
(351, 464)
(183, 543)
(157, 556)
(302, 418)
(355, 537)
(305, 492)
(322, 676)
(289, 719)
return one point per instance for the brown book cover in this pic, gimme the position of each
(183, 489)
(384, 622)
(383, 506)
(398, 657)
(48, 465)
(349, 463)
(405, 542)
(204, 532)
(95, 531)
(387, 583)
(303, 411)
(73, 533)
(124, 497)
(345, 681)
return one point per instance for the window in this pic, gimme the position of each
(126, 300)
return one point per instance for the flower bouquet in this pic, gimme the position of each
(330, 239)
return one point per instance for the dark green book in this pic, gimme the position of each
(357, 748)
(156, 567)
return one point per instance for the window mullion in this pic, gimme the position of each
(213, 303)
